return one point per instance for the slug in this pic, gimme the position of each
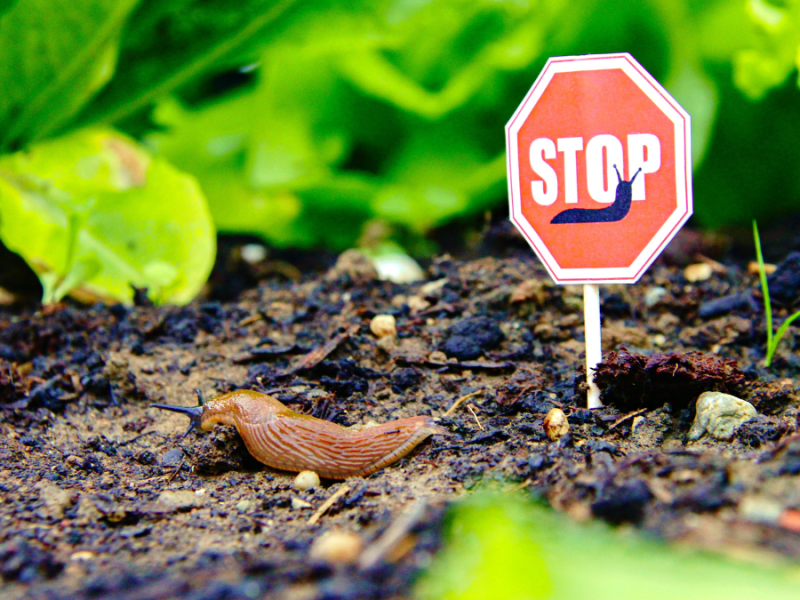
(285, 439)
(617, 211)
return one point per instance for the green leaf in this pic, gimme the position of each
(93, 214)
(56, 55)
(5, 6)
(169, 44)
(762, 275)
(502, 548)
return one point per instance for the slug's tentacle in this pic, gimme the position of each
(284, 439)
(195, 414)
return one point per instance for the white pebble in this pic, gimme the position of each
(718, 414)
(337, 547)
(396, 267)
(653, 295)
(306, 480)
(637, 424)
(698, 272)
(383, 325)
(299, 503)
(253, 253)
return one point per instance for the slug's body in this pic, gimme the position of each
(614, 212)
(285, 439)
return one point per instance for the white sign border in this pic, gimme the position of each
(683, 141)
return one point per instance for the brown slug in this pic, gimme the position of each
(285, 439)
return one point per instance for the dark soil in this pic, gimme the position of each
(103, 498)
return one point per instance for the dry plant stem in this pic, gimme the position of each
(594, 351)
(284, 439)
(459, 402)
(393, 535)
(471, 408)
(772, 339)
(312, 520)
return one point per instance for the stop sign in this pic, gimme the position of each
(599, 168)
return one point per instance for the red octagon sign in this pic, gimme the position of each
(599, 168)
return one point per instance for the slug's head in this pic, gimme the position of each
(195, 413)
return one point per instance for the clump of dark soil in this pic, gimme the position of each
(632, 381)
(104, 497)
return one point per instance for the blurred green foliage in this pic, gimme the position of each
(503, 548)
(302, 121)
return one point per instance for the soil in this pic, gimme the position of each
(104, 497)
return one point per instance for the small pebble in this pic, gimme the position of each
(432, 287)
(383, 326)
(337, 547)
(355, 264)
(658, 339)
(253, 253)
(54, 499)
(244, 506)
(388, 344)
(306, 480)
(760, 510)
(752, 268)
(653, 295)
(698, 272)
(298, 503)
(637, 424)
(417, 304)
(555, 424)
(396, 267)
(437, 356)
(719, 414)
(180, 499)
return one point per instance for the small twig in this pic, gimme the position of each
(715, 266)
(460, 401)
(471, 408)
(312, 520)
(626, 417)
(393, 535)
(313, 358)
(139, 482)
(178, 470)
(249, 320)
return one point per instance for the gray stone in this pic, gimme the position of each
(718, 414)
(172, 458)
(180, 499)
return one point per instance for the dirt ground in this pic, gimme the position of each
(104, 498)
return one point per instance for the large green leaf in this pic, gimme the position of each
(93, 215)
(169, 44)
(505, 549)
(56, 54)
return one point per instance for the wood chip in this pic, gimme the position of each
(316, 356)
(312, 520)
(454, 406)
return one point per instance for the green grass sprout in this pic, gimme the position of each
(772, 339)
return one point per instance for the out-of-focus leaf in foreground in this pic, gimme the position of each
(93, 214)
(507, 549)
(56, 54)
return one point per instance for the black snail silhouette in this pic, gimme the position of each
(609, 214)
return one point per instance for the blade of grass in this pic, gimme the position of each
(762, 275)
(779, 334)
